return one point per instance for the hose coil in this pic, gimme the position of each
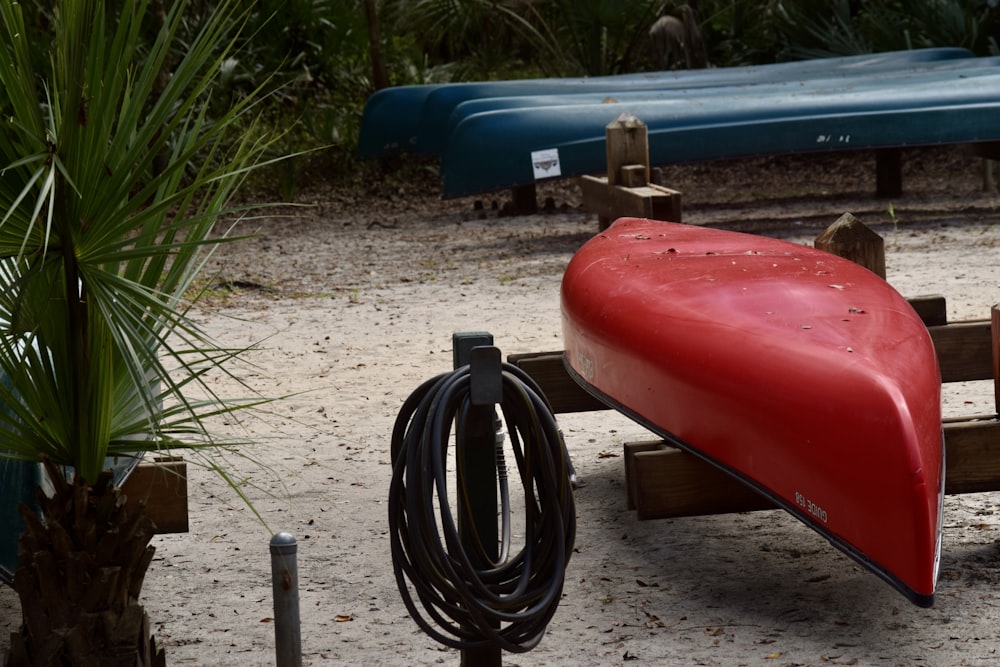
(508, 603)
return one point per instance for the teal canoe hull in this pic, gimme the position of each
(494, 150)
(831, 84)
(414, 118)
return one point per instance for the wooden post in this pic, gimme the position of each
(627, 143)
(847, 237)
(626, 190)
(524, 200)
(995, 335)
(888, 172)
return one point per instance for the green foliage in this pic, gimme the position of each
(738, 32)
(470, 39)
(820, 28)
(112, 181)
(314, 54)
(486, 39)
(603, 36)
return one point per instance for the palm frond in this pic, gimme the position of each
(111, 188)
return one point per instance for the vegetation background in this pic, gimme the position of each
(332, 54)
(335, 53)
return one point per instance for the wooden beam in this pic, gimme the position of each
(964, 350)
(548, 370)
(162, 486)
(611, 202)
(665, 482)
(668, 482)
(972, 455)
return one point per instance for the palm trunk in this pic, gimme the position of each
(79, 577)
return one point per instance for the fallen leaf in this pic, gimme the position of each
(267, 619)
(772, 656)
(343, 618)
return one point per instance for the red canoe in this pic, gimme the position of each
(802, 374)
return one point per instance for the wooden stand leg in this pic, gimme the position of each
(847, 237)
(888, 172)
(995, 334)
(524, 199)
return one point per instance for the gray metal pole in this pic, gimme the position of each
(285, 586)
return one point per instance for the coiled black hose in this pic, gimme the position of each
(506, 604)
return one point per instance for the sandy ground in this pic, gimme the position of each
(354, 305)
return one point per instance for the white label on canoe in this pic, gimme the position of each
(811, 507)
(545, 163)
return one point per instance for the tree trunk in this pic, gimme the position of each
(79, 577)
(380, 78)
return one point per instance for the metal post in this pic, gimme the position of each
(285, 586)
(477, 470)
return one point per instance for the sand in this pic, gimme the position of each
(353, 306)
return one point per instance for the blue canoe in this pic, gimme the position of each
(831, 84)
(441, 113)
(497, 149)
(411, 118)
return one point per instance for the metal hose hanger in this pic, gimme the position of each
(508, 603)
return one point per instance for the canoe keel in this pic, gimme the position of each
(803, 375)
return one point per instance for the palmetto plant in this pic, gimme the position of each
(112, 180)
(819, 28)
